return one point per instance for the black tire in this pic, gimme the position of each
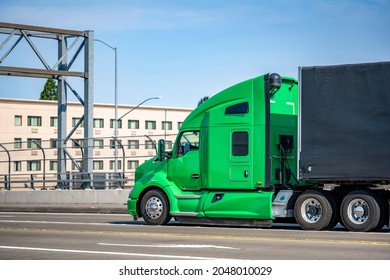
(384, 215)
(315, 210)
(336, 212)
(155, 208)
(362, 211)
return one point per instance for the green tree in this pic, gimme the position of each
(50, 91)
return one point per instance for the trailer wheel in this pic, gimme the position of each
(335, 204)
(362, 211)
(315, 210)
(155, 208)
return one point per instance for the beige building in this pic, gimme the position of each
(28, 139)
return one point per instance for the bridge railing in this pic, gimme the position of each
(32, 164)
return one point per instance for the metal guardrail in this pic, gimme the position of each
(96, 180)
(14, 154)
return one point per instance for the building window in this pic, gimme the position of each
(33, 143)
(112, 144)
(53, 143)
(168, 145)
(98, 143)
(179, 125)
(240, 143)
(33, 165)
(112, 164)
(132, 164)
(112, 123)
(133, 144)
(75, 121)
(77, 142)
(17, 143)
(149, 145)
(166, 125)
(17, 166)
(34, 121)
(53, 165)
(150, 124)
(18, 120)
(76, 165)
(98, 123)
(54, 121)
(97, 165)
(133, 124)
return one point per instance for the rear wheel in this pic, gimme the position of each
(362, 211)
(155, 208)
(336, 212)
(315, 210)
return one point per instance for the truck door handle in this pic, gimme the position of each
(195, 176)
(246, 173)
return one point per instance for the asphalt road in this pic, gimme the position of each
(92, 236)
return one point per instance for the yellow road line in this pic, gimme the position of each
(206, 236)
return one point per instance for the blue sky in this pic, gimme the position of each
(184, 50)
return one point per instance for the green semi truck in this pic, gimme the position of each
(272, 149)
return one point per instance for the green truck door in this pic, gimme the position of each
(184, 166)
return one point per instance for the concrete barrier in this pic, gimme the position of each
(63, 197)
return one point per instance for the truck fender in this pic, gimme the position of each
(157, 182)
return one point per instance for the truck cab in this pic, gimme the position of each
(233, 155)
(243, 157)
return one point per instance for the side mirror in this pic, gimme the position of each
(161, 150)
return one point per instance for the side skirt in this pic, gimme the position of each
(225, 222)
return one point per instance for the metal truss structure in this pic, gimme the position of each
(70, 44)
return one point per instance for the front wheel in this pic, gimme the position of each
(155, 208)
(315, 210)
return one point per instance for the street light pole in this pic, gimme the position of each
(116, 114)
(132, 109)
(116, 104)
(156, 97)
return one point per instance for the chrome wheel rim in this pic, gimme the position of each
(311, 210)
(358, 211)
(154, 207)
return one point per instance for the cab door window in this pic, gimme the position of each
(188, 141)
